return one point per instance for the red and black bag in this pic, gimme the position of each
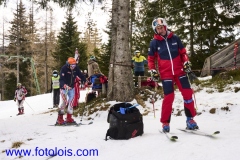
(125, 122)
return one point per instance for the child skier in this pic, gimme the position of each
(20, 93)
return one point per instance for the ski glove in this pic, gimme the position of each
(66, 87)
(153, 73)
(187, 66)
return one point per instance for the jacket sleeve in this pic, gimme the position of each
(80, 75)
(182, 51)
(145, 60)
(25, 91)
(62, 79)
(151, 55)
(133, 59)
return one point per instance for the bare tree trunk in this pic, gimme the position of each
(113, 50)
(120, 75)
(46, 67)
(1, 67)
(18, 45)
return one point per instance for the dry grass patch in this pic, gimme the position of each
(17, 144)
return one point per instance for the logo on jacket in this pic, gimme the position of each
(174, 43)
(62, 74)
(158, 48)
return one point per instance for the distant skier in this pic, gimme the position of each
(68, 74)
(20, 93)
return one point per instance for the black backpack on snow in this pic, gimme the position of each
(125, 121)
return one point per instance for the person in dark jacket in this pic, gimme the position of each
(68, 74)
(173, 64)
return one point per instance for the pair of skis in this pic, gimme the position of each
(72, 124)
(169, 136)
(19, 114)
(197, 132)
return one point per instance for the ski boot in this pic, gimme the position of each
(69, 119)
(60, 120)
(166, 127)
(19, 111)
(191, 124)
(22, 110)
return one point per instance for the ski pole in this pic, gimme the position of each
(155, 79)
(52, 97)
(193, 93)
(66, 96)
(29, 105)
(153, 107)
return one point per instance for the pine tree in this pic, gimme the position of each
(104, 57)
(19, 47)
(143, 32)
(91, 36)
(68, 41)
(33, 38)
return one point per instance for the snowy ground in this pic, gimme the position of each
(34, 131)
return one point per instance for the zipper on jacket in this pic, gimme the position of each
(169, 55)
(71, 79)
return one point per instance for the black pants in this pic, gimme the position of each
(56, 96)
(139, 73)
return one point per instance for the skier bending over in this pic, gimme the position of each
(67, 77)
(20, 93)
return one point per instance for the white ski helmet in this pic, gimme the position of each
(158, 22)
(137, 51)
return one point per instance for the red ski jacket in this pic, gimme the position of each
(170, 54)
